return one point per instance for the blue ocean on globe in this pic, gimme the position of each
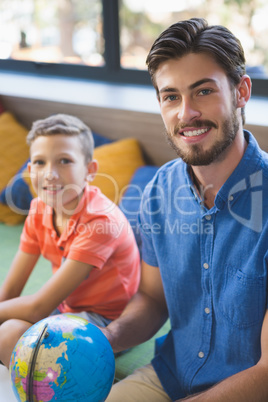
(62, 358)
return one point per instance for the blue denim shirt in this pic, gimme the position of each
(213, 265)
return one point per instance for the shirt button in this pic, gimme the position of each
(207, 310)
(208, 217)
(205, 265)
(231, 198)
(201, 355)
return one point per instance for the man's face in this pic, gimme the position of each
(198, 108)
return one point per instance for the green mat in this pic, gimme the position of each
(126, 363)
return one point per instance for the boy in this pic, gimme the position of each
(94, 257)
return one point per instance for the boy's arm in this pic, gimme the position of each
(35, 307)
(247, 386)
(18, 274)
(144, 315)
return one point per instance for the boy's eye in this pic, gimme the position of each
(65, 161)
(38, 162)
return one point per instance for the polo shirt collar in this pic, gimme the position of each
(47, 215)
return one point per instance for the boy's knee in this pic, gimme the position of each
(10, 332)
(13, 327)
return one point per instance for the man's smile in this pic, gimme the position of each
(193, 132)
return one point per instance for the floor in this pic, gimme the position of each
(6, 393)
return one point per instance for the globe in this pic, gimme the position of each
(62, 358)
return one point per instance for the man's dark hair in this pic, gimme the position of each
(196, 36)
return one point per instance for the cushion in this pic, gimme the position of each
(117, 163)
(19, 190)
(130, 201)
(100, 139)
(13, 154)
(9, 217)
(14, 150)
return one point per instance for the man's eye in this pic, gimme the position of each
(205, 92)
(169, 98)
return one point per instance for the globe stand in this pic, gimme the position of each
(43, 334)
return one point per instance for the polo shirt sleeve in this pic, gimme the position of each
(96, 243)
(29, 242)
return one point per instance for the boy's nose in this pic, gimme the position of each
(51, 175)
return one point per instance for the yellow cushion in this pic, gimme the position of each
(117, 163)
(27, 179)
(10, 217)
(13, 153)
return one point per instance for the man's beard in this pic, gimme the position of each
(196, 156)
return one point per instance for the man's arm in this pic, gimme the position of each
(144, 315)
(250, 385)
(34, 307)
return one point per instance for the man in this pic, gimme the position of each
(204, 230)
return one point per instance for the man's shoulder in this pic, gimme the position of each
(255, 157)
(174, 166)
(264, 161)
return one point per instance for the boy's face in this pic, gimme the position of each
(59, 171)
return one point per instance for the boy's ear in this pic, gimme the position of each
(243, 91)
(29, 167)
(92, 169)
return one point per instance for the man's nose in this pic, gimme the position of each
(188, 111)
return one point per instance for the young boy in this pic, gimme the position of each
(87, 239)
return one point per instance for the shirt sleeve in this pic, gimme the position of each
(146, 226)
(28, 241)
(96, 242)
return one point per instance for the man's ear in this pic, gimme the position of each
(243, 91)
(92, 169)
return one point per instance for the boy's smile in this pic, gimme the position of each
(58, 171)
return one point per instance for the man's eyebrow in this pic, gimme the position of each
(192, 86)
(200, 82)
(167, 89)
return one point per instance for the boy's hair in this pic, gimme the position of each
(196, 36)
(67, 125)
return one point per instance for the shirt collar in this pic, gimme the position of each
(249, 164)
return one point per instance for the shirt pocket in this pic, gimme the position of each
(243, 300)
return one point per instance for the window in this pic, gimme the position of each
(109, 40)
(50, 31)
